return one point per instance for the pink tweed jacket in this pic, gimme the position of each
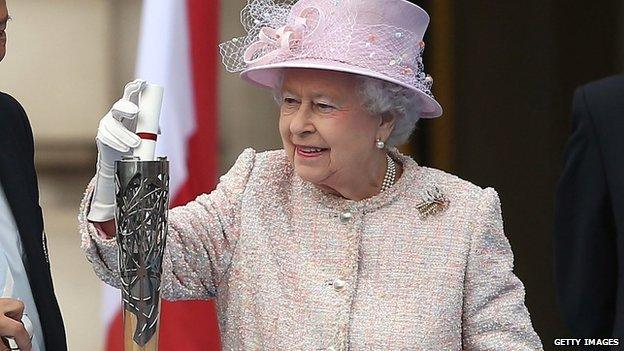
(294, 268)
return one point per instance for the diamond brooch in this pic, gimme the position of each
(433, 202)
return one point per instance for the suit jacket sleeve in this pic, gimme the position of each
(201, 237)
(494, 317)
(584, 234)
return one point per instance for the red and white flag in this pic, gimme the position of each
(178, 50)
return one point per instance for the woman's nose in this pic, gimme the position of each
(301, 122)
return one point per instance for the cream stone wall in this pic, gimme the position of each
(67, 61)
(58, 64)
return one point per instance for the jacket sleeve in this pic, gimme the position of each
(200, 239)
(584, 233)
(494, 315)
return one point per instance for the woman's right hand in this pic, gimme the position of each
(11, 311)
(115, 139)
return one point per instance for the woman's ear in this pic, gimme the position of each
(386, 125)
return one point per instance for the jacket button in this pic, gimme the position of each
(339, 284)
(345, 216)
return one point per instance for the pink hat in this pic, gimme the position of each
(375, 38)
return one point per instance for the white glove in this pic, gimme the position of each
(115, 139)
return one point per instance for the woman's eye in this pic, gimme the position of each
(325, 107)
(290, 101)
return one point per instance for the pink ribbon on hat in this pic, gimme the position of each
(281, 40)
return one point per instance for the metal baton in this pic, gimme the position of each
(141, 219)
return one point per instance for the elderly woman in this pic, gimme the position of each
(338, 241)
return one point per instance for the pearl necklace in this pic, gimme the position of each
(390, 176)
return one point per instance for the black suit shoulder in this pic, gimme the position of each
(608, 84)
(8, 99)
(17, 120)
(11, 104)
(602, 103)
(604, 98)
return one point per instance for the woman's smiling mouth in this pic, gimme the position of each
(309, 151)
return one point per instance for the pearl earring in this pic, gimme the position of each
(380, 144)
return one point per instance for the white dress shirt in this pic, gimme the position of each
(13, 278)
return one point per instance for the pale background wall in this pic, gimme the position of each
(67, 61)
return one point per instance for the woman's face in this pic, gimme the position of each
(326, 133)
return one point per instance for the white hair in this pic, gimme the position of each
(382, 98)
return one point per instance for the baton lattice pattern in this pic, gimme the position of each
(141, 232)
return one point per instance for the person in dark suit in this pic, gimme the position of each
(26, 290)
(589, 215)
